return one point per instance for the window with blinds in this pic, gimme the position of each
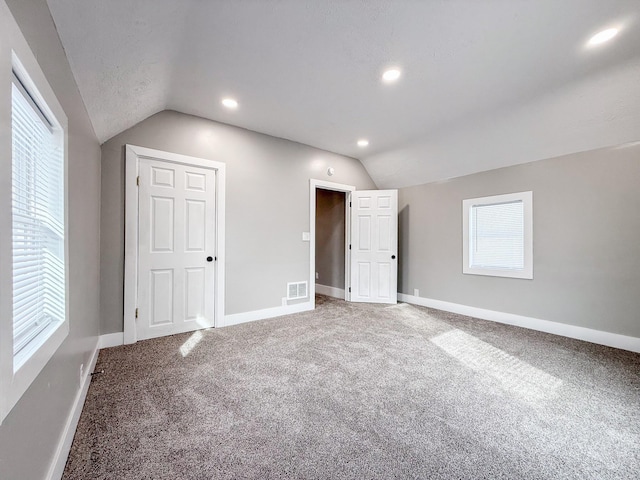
(498, 235)
(38, 224)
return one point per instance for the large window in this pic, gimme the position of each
(33, 229)
(38, 224)
(497, 235)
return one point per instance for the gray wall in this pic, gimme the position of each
(267, 205)
(586, 223)
(30, 434)
(330, 231)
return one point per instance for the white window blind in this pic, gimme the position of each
(496, 237)
(38, 223)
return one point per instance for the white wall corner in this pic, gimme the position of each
(599, 337)
(66, 439)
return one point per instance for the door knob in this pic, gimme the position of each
(209, 259)
(393, 257)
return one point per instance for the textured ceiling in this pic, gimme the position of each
(485, 83)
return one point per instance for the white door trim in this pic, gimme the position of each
(132, 157)
(337, 187)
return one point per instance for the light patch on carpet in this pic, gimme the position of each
(514, 375)
(191, 343)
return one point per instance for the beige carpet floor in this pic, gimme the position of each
(361, 392)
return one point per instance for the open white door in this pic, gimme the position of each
(176, 248)
(374, 246)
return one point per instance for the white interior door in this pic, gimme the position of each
(374, 246)
(176, 248)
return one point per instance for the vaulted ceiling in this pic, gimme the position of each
(484, 84)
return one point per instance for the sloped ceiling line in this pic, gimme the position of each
(483, 84)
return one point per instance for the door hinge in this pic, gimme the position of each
(349, 246)
(138, 181)
(136, 313)
(215, 259)
(349, 289)
(349, 204)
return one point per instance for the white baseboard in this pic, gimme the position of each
(237, 318)
(64, 445)
(117, 339)
(111, 340)
(615, 340)
(330, 291)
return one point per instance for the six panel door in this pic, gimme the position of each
(176, 238)
(374, 245)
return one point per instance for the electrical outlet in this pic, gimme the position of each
(416, 292)
(81, 372)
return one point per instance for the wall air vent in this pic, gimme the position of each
(297, 290)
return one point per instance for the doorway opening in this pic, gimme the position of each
(331, 247)
(329, 239)
(371, 243)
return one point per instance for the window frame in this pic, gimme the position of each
(527, 201)
(14, 381)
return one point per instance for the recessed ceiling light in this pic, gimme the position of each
(230, 103)
(603, 36)
(363, 142)
(391, 75)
